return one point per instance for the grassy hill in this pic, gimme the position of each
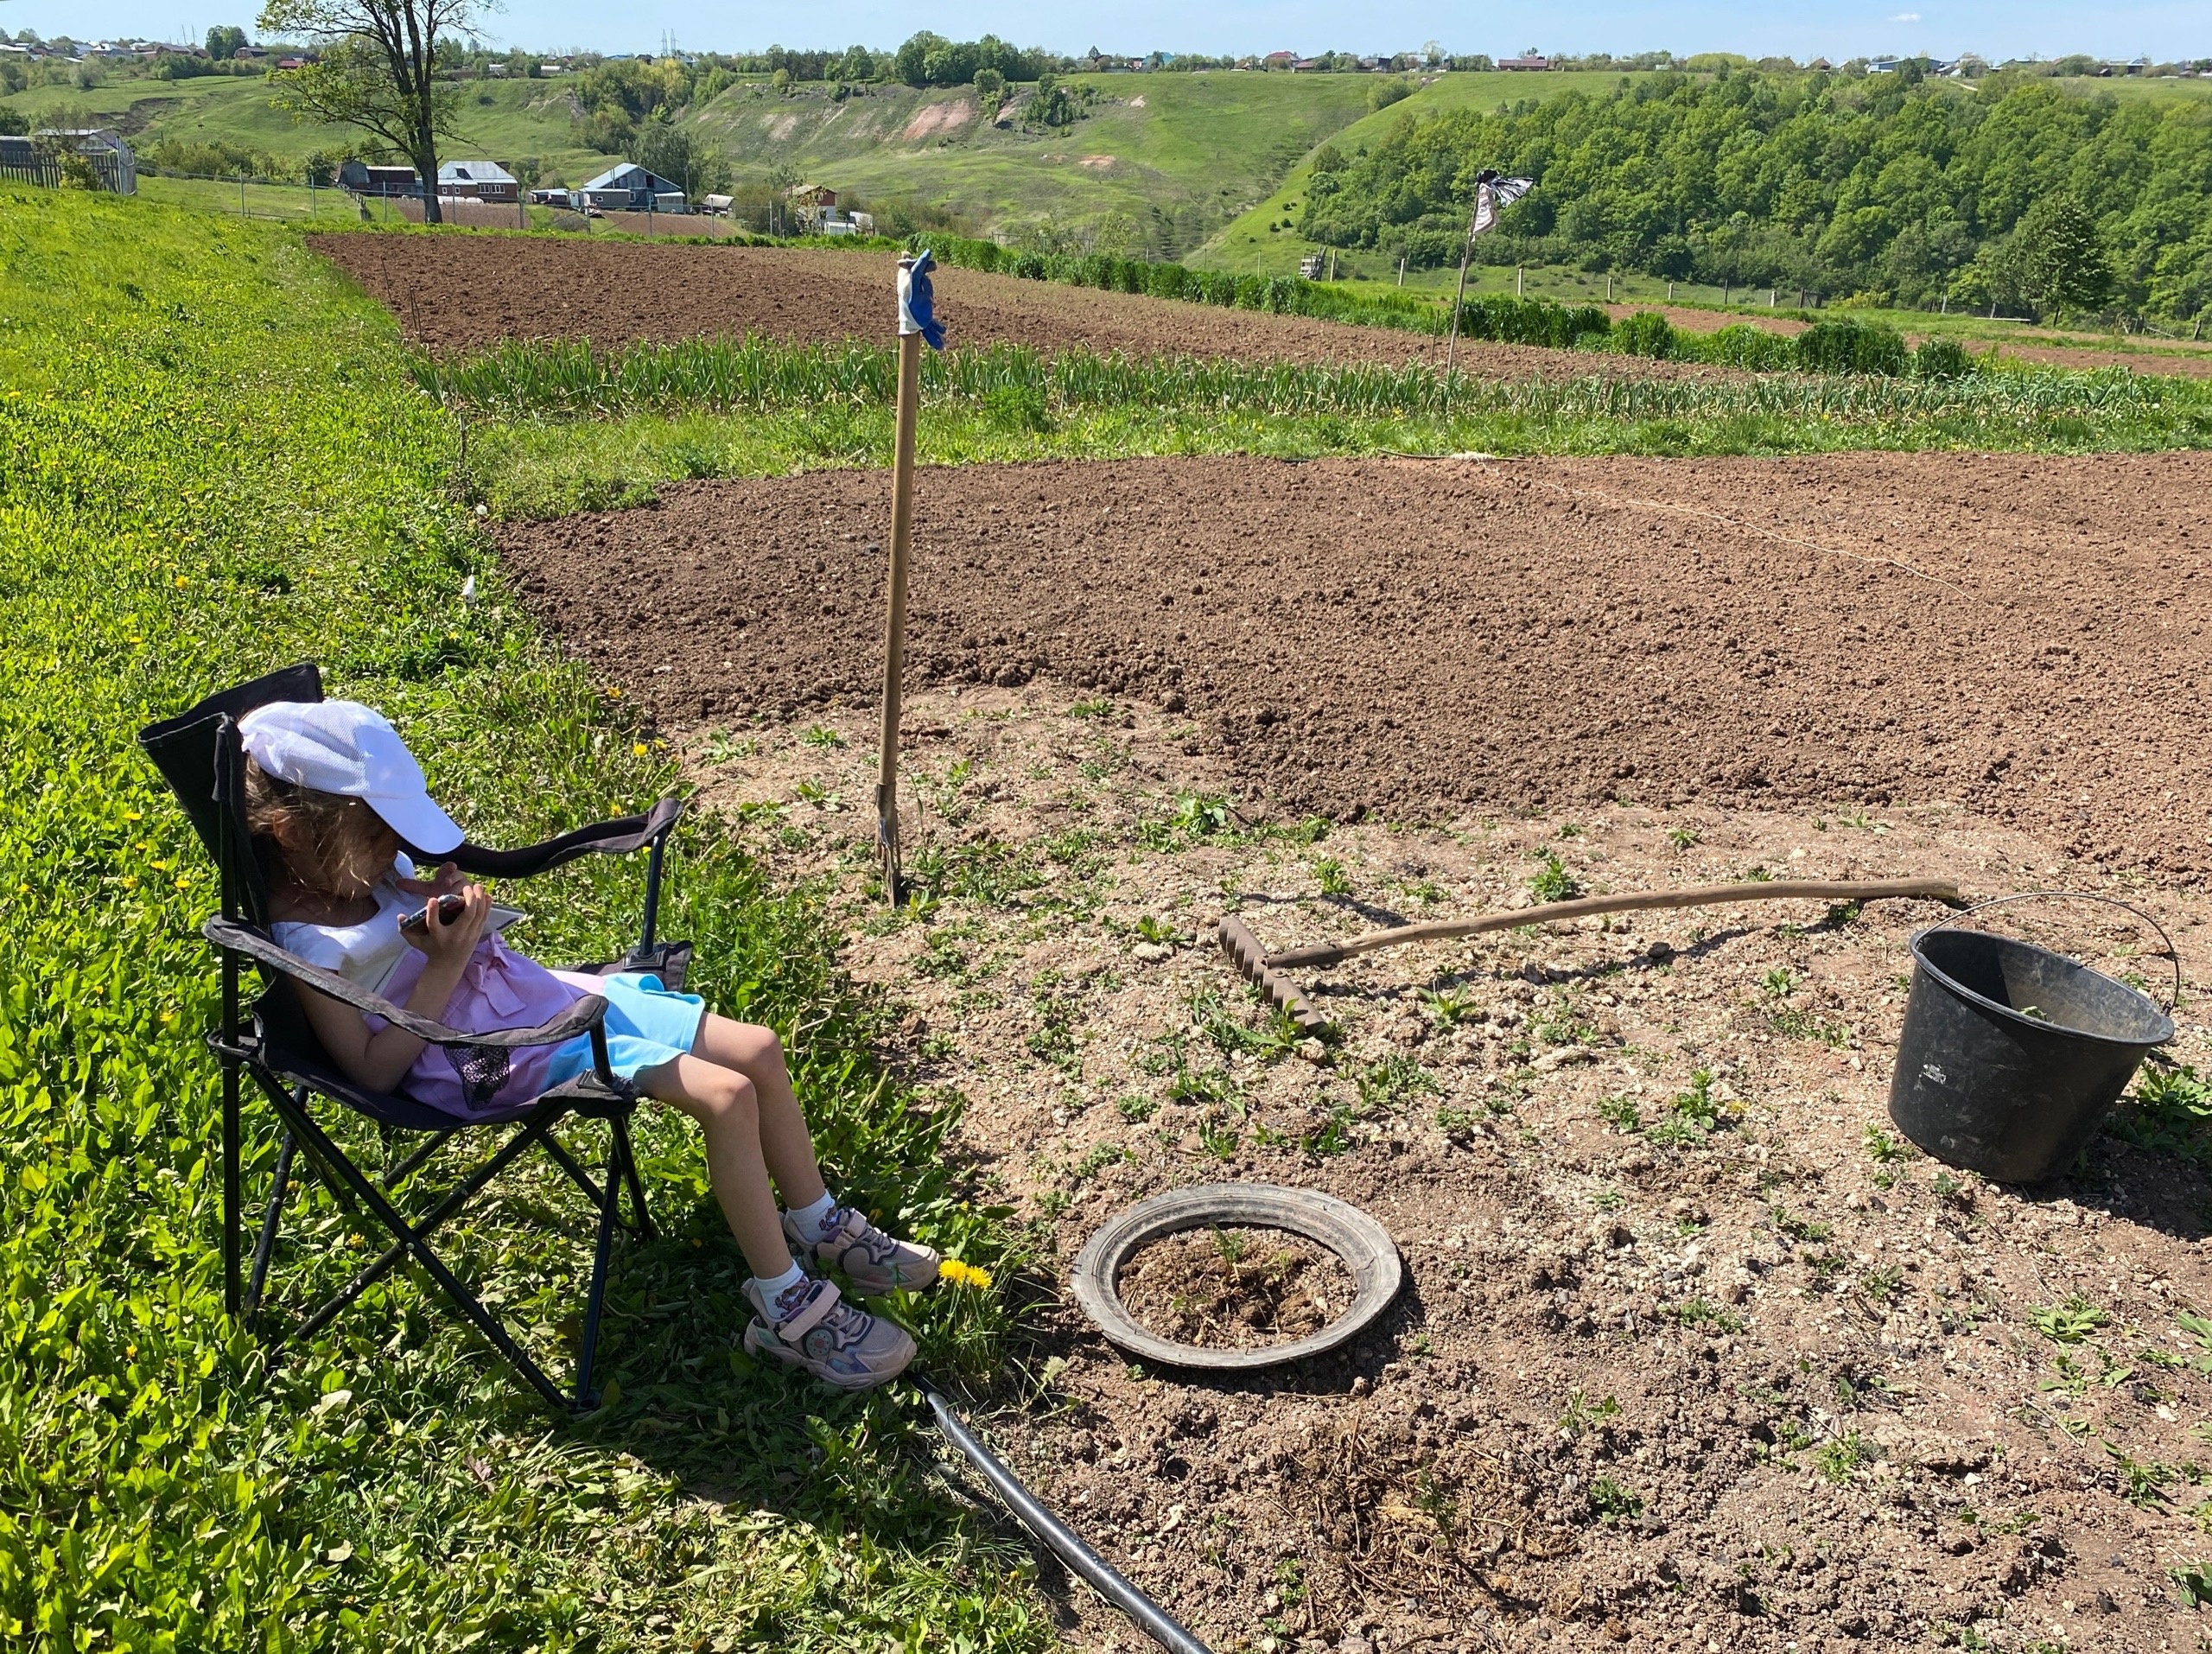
(1178, 154)
(507, 119)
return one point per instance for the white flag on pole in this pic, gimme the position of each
(1493, 195)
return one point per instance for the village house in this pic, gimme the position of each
(625, 187)
(482, 181)
(365, 180)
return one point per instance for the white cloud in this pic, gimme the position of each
(1906, 17)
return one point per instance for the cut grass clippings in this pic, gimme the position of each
(214, 464)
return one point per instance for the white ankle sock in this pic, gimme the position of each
(771, 1289)
(808, 1219)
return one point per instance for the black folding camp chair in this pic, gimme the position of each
(200, 755)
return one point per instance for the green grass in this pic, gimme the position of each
(323, 209)
(216, 465)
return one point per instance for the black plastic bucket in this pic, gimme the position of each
(2011, 1055)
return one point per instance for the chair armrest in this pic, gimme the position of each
(616, 837)
(583, 1017)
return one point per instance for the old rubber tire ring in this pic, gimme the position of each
(1364, 1245)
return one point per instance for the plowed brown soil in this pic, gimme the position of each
(1694, 1354)
(462, 292)
(2025, 636)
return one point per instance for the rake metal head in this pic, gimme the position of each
(1245, 953)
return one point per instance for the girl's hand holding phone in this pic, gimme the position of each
(450, 941)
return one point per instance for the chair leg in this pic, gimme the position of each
(232, 1195)
(642, 1224)
(279, 1184)
(382, 1265)
(411, 1239)
(577, 1175)
(586, 1397)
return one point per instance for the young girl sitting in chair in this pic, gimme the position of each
(331, 796)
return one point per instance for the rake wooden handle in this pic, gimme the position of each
(1551, 912)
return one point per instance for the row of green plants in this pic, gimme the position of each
(1832, 346)
(215, 467)
(1276, 295)
(575, 378)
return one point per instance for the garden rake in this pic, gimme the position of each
(1265, 970)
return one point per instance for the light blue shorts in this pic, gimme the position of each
(646, 1026)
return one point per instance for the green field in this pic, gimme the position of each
(216, 465)
(222, 458)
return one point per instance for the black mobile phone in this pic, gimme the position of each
(450, 907)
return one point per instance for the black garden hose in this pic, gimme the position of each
(1101, 1573)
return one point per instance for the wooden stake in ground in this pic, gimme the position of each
(916, 323)
(1492, 195)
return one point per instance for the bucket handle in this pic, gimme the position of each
(2172, 953)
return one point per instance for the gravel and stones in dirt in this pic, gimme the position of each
(1694, 1352)
(1234, 1288)
(2025, 636)
(460, 293)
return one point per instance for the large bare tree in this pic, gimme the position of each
(377, 71)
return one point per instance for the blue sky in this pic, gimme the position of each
(1855, 28)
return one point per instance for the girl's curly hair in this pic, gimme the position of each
(340, 846)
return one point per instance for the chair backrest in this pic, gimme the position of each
(198, 754)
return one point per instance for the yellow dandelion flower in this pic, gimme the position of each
(131, 815)
(129, 881)
(964, 1274)
(181, 582)
(641, 749)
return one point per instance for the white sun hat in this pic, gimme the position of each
(344, 748)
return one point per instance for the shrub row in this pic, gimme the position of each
(1829, 346)
(1276, 295)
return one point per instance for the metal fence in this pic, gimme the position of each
(42, 161)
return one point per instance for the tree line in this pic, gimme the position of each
(2016, 195)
